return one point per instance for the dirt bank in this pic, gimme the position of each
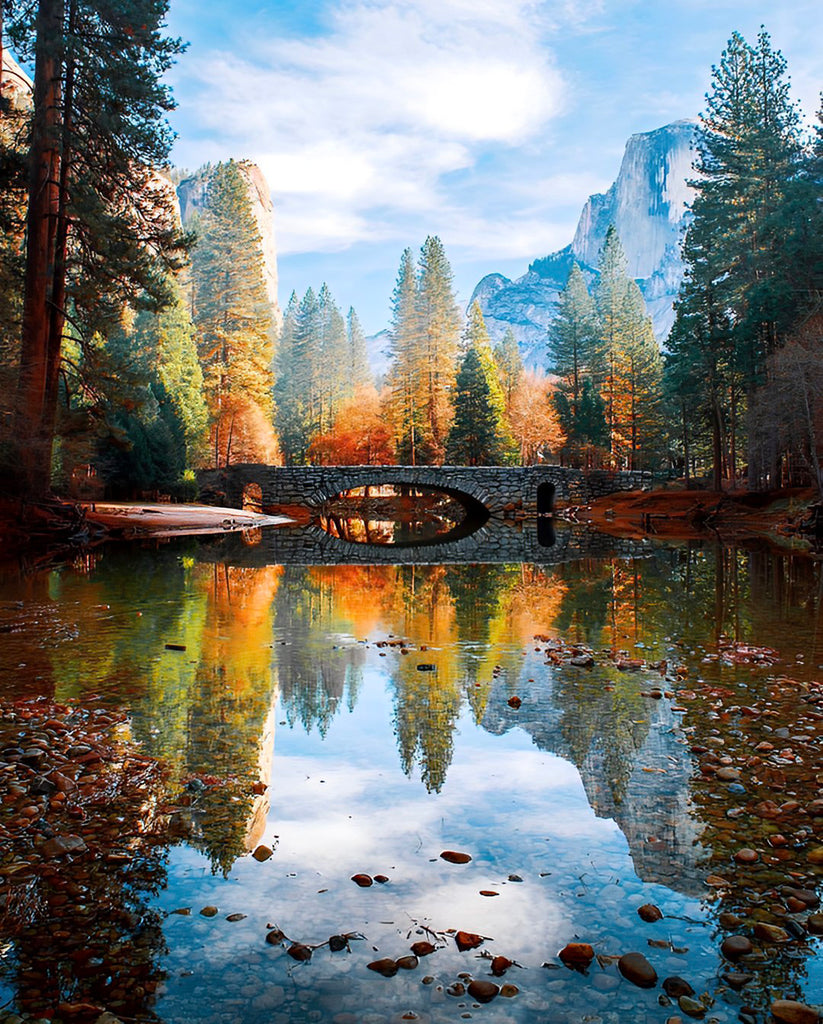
(686, 514)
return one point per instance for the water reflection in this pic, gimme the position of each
(391, 689)
(401, 516)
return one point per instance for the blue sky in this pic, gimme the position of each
(487, 122)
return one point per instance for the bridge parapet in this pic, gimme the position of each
(530, 489)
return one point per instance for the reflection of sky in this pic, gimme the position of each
(342, 805)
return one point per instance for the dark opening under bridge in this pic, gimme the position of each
(499, 490)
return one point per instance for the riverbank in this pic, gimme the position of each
(61, 523)
(690, 514)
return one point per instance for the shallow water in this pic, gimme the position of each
(373, 701)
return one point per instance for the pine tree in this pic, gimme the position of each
(509, 364)
(329, 356)
(479, 434)
(358, 372)
(295, 378)
(612, 285)
(640, 368)
(741, 288)
(575, 356)
(233, 318)
(439, 327)
(101, 224)
(404, 377)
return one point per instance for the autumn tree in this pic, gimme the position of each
(533, 419)
(101, 225)
(359, 435)
(234, 320)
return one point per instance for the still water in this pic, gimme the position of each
(365, 719)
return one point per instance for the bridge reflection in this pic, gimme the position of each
(539, 542)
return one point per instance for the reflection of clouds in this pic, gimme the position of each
(373, 819)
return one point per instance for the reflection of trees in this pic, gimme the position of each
(314, 609)
(427, 703)
(203, 709)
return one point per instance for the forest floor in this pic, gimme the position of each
(684, 514)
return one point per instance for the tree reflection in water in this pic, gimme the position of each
(451, 643)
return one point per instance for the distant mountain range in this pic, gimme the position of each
(648, 205)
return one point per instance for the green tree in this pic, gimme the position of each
(479, 434)
(741, 287)
(101, 224)
(329, 360)
(294, 377)
(234, 321)
(575, 357)
(358, 372)
(574, 337)
(509, 364)
(439, 327)
(404, 378)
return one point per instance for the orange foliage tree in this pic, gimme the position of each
(533, 418)
(359, 436)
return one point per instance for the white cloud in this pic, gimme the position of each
(374, 114)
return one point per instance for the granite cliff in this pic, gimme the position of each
(648, 205)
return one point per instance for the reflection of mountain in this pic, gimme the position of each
(632, 767)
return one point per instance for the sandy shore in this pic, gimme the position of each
(165, 520)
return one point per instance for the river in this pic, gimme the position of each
(598, 733)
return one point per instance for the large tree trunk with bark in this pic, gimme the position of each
(40, 350)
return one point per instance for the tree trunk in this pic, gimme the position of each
(717, 446)
(34, 418)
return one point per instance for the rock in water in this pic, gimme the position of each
(455, 857)
(676, 987)
(735, 946)
(649, 912)
(468, 940)
(577, 954)
(483, 991)
(787, 1011)
(636, 968)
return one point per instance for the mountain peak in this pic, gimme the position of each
(648, 206)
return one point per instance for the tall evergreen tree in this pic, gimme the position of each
(479, 434)
(439, 327)
(509, 364)
(295, 377)
(101, 225)
(233, 316)
(329, 357)
(741, 283)
(358, 371)
(574, 355)
(404, 377)
(612, 285)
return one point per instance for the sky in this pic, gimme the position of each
(486, 122)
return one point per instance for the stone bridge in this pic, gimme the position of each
(484, 490)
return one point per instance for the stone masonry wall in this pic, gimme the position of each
(498, 488)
